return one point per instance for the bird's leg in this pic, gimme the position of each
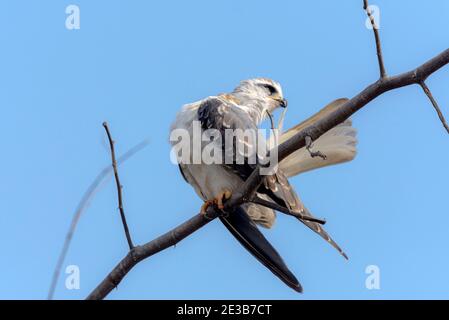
(206, 205)
(313, 154)
(224, 195)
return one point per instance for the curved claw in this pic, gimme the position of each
(205, 206)
(217, 201)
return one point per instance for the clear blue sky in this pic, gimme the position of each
(136, 63)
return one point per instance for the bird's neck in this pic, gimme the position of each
(255, 107)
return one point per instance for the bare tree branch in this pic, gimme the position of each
(119, 187)
(435, 105)
(246, 191)
(380, 57)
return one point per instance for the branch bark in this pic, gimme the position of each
(244, 193)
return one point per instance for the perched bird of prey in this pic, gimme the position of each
(245, 108)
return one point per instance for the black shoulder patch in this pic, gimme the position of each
(208, 113)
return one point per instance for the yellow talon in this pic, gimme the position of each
(218, 201)
(206, 205)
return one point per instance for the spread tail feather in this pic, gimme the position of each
(338, 144)
(249, 236)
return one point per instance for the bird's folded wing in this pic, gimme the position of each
(284, 188)
(247, 233)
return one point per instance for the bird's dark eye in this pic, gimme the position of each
(272, 90)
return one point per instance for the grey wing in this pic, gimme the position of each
(261, 215)
(249, 236)
(216, 113)
(316, 227)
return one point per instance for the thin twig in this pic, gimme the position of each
(275, 206)
(435, 104)
(383, 73)
(119, 187)
(313, 154)
(81, 208)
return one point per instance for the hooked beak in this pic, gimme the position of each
(283, 103)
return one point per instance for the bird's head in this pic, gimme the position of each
(265, 92)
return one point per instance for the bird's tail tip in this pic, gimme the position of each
(246, 232)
